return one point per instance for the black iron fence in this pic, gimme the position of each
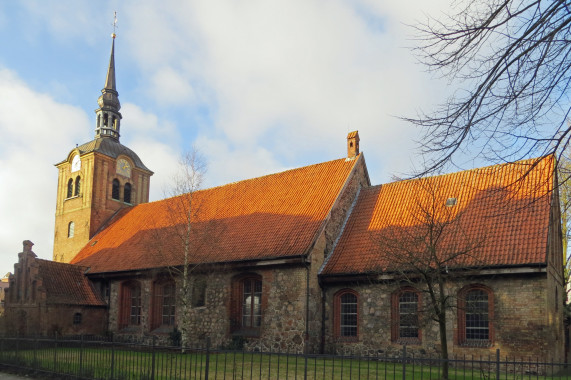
(103, 359)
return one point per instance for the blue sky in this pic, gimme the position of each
(257, 86)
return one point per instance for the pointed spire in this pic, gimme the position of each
(108, 115)
(110, 81)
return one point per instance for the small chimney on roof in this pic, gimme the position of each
(353, 144)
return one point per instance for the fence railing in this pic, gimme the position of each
(104, 359)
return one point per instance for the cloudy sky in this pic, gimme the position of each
(259, 86)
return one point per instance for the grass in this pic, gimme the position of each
(126, 364)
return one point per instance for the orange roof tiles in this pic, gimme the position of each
(66, 284)
(500, 219)
(274, 216)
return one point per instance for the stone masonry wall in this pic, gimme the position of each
(520, 326)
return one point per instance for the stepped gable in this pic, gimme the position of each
(271, 217)
(497, 215)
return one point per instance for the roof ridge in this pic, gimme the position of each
(252, 179)
(531, 161)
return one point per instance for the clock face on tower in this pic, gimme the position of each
(75, 163)
(123, 167)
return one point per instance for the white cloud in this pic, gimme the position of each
(34, 128)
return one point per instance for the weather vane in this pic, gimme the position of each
(114, 24)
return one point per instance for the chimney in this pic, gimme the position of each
(353, 144)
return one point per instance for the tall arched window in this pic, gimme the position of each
(70, 188)
(77, 185)
(115, 189)
(70, 229)
(164, 304)
(130, 308)
(475, 315)
(345, 308)
(246, 311)
(127, 193)
(405, 318)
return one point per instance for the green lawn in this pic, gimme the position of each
(123, 364)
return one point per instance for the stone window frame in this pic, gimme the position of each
(461, 338)
(236, 314)
(158, 315)
(337, 315)
(396, 316)
(130, 308)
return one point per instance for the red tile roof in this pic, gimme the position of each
(274, 216)
(66, 284)
(500, 218)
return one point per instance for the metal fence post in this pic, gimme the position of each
(55, 352)
(404, 362)
(207, 361)
(112, 358)
(153, 359)
(497, 364)
(81, 357)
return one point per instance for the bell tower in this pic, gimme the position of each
(98, 178)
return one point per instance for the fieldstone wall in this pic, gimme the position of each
(524, 323)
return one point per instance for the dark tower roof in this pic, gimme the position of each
(108, 115)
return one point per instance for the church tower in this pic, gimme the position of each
(98, 178)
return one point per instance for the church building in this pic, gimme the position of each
(313, 259)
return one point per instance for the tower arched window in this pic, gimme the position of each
(70, 229)
(115, 189)
(105, 120)
(77, 185)
(127, 193)
(69, 188)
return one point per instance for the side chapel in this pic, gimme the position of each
(312, 259)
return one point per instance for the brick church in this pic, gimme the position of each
(313, 258)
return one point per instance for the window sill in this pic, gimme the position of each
(408, 341)
(347, 339)
(72, 197)
(248, 333)
(476, 343)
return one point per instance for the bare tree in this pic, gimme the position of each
(513, 59)
(564, 173)
(431, 252)
(184, 210)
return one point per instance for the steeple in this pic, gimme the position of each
(108, 115)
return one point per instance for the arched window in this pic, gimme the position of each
(345, 308)
(77, 317)
(77, 185)
(130, 308)
(70, 188)
(115, 189)
(70, 229)
(105, 120)
(247, 304)
(127, 193)
(164, 304)
(475, 315)
(405, 318)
